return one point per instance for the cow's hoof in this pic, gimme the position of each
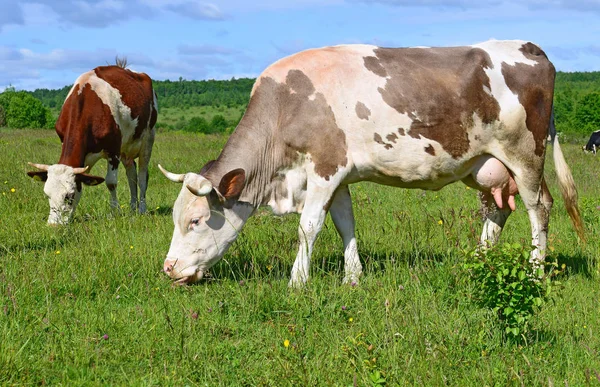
(296, 284)
(351, 279)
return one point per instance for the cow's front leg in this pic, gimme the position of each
(132, 179)
(111, 180)
(343, 219)
(311, 222)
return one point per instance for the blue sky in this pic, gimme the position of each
(48, 43)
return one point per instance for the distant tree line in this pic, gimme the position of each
(576, 102)
(181, 93)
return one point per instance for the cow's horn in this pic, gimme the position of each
(172, 176)
(41, 167)
(80, 170)
(198, 185)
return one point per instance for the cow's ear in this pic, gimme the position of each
(232, 184)
(38, 175)
(88, 179)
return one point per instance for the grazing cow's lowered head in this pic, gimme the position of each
(62, 188)
(207, 220)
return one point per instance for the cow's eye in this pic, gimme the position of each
(195, 222)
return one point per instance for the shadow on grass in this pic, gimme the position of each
(34, 245)
(238, 268)
(161, 210)
(576, 264)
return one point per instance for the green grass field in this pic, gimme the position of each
(87, 304)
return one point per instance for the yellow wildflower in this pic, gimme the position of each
(440, 221)
(12, 190)
(286, 343)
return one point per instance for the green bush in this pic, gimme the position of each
(218, 124)
(506, 282)
(20, 109)
(196, 125)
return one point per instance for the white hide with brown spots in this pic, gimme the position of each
(322, 119)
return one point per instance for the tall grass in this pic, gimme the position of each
(87, 304)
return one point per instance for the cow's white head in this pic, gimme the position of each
(62, 188)
(207, 220)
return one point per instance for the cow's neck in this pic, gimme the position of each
(253, 150)
(74, 149)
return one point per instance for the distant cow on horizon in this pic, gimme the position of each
(322, 119)
(109, 113)
(593, 143)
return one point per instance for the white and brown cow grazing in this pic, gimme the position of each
(322, 119)
(109, 113)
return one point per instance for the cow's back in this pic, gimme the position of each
(405, 115)
(107, 108)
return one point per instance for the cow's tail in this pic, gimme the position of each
(566, 182)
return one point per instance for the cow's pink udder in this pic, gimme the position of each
(493, 176)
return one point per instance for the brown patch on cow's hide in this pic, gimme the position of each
(535, 87)
(377, 138)
(439, 89)
(429, 149)
(392, 137)
(136, 93)
(86, 125)
(401, 131)
(362, 111)
(372, 64)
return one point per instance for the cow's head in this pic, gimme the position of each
(590, 148)
(207, 220)
(63, 188)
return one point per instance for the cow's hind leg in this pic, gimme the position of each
(343, 219)
(112, 172)
(143, 175)
(538, 201)
(311, 222)
(132, 179)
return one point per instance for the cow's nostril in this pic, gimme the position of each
(168, 266)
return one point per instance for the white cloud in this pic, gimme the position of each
(196, 10)
(575, 5)
(12, 13)
(205, 49)
(27, 69)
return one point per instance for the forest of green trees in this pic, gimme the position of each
(576, 103)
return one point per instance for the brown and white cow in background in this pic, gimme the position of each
(322, 119)
(109, 113)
